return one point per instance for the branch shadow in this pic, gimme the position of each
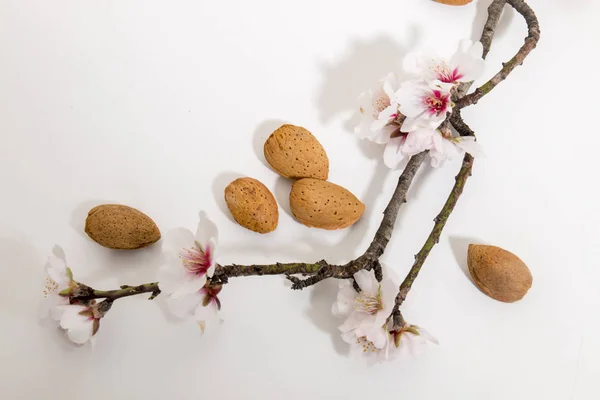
(322, 297)
(21, 259)
(27, 267)
(481, 15)
(460, 249)
(360, 67)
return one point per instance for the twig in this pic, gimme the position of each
(531, 40)
(87, 293)
(434, 236)
(224, 272)
(494, 13)
(384, 233)
(461, 127)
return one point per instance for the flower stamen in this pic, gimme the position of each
(368, 302)
(436, 102)
(196, 260)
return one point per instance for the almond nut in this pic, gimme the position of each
(120, 227)
(498, 273)
(252, 205)
(295, 153)
(454, 2)
(325, 205)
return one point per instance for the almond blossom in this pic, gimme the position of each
(378, 111)
(81, 322)
(408, 340)
(59, 283)
(185, 280)
(366, 311)
(424, 103)
(465, 65)
(202, 305)
(190, 259)
(441, 146)
(79, 319)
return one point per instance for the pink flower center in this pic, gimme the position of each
(436, 102)
(197, 260)
(446, 75)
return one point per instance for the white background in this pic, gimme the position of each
(159, 104)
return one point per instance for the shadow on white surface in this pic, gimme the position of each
(322, 297)
(80, 214)
(481, 16)
(460, 248)
(124, 267)
(359, 69)
(27, 267)
(281, 191)
(218, 190)
(261, 134)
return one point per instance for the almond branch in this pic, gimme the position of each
(86, 293)
(494, 12)
(531, 40)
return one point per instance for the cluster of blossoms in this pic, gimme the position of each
(80, 319)
(368, 327)
(184, 282)
(406, 116)
(185, 278)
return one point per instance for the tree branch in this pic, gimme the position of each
(494, 13)
(384, 233)
(531, 40)
(86, 293)
(434, 236)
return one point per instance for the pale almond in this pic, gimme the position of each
(325, 205)
(252, 205)
(499, 273)
(295, 153)
(120, 227)
(454, 2)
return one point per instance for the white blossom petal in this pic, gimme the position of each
(345, 299)
(170, 277)
(184, 306)
(80, 333)
(393, 155)
(174, 242)
(71, 316)
(189, 286)
(366, 281)
(57, 270)
(357, 320)
(207, 231)
(470, 145)
(383, 136)
(378, 108)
